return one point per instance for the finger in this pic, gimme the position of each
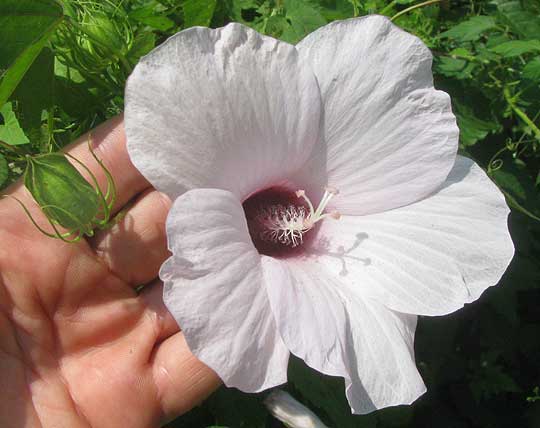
(161, 319)
(109, 144)
(182, 381)
(108, 141)
(135, 248)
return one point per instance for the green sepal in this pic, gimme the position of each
(61, 191)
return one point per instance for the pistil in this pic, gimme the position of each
(287, 224)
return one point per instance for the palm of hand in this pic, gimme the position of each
(78, 346)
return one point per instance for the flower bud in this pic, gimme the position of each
(104, 32)
(61, 191)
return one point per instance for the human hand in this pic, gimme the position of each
(79, 347)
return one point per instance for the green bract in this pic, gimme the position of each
(65, 197)
(103, 37)
(61, 192)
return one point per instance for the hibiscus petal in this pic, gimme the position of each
(225, 108)
(339, 333)
(214, 289)
(427, 258)
(391, 137)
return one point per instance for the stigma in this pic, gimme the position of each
(287, 224)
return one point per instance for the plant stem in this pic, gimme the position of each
(356, 8)
(388, 8)
(521, 114)
(416, 6)
(519, 207)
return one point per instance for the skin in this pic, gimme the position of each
(79, 347)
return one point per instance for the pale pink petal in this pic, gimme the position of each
(342, 334)
(225, 108)
(430, 257)
(391, 137)
(214, 289)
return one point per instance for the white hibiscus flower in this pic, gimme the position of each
(245, 133)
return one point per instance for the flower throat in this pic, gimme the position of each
(279, 220)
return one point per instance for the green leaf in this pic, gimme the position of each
(471, 29)
(11, 132)
(198, 12)
(303, 18)
(516, 47)
(68, 95)
(462, 53)
(274, 26)
(147, 15)
(62, 70)
(485, 55)
(35, 91)
(491, 381)
(25, 28)
(3, 170)
(161, 23)
(333, 10)
(472, 129)
(531, 70)
(495, 39)
(518, 187)
(454, 67)
(143, 43)
(239, 8)
(325, 394)
(522, 22)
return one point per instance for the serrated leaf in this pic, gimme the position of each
(198, 12)
(516, 47)
(3, 170)
(471, 128)
(147, 15)
(25, 28)
(496, 39)
(485, 55)
(11, 132)
(274, 26)
(303, 18)
(531, 70)
(471, 29)
(521, 21)
(455, 67)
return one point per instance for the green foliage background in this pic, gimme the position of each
(63, 66)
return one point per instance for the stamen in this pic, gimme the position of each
(288, 224)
